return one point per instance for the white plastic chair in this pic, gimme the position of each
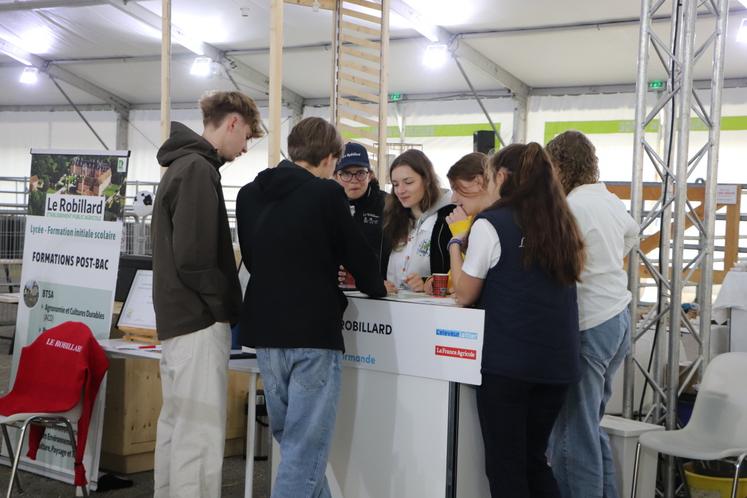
(21, 421)
(717, 429)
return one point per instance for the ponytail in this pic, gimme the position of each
(532, 189)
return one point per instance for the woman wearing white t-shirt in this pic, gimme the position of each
(471, 191)
(415, 223)
(523, 257)
(579, 449)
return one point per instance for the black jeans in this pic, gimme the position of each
(516, 419)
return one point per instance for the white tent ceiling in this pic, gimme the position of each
(544, 43)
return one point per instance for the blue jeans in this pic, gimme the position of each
(579, 449)
(302, 388)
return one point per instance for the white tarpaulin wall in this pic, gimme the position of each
(20, 131)
(145, 140)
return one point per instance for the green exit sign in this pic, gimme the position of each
(656, 84)
(397, 96)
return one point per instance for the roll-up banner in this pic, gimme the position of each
(70, 261)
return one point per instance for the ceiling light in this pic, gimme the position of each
(436, 55)
(742, 33)
(202, 66)
(29, 76)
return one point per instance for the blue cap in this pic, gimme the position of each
(354, 155)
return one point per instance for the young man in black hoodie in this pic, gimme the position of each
(295, 229)
(196, 294)
(366, 199)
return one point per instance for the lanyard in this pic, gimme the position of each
(410, 247)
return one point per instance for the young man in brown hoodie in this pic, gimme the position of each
(196, 294)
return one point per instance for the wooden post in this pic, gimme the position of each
(336, 32)
(276, 81)
(731, 242)
(165, 72)
(382, 164)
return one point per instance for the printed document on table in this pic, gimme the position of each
(138, 308)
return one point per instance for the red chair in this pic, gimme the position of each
(56, 384)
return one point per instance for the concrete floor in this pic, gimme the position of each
(36, 486)
(233, 483)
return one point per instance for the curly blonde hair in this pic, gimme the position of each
(575, 158)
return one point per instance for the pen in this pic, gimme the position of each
(152, 346)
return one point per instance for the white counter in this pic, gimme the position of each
(401, 427)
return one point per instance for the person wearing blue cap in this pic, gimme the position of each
(353, 172)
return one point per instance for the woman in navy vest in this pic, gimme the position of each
(523, 258)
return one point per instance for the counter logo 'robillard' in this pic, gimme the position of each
(75, 204)
(366, 327)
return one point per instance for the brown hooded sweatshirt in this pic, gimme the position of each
(195, 283)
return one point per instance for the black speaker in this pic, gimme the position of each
(483, 141)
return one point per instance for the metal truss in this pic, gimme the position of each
(673, 160)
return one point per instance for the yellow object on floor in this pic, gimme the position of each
(712, 487)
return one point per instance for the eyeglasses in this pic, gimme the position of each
(359, 175)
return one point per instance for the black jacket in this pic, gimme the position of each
(295, 230)
(440, 237)
(368, 213)
(194, 271)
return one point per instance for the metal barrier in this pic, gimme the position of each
(136, 238)
(13, 208)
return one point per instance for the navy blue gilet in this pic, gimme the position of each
(531, 321)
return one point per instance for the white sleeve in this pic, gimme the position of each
(631, 234)
(483, 249)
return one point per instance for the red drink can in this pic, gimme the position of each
(440, 284)
(349, 282)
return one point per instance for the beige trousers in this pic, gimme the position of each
(191, 429)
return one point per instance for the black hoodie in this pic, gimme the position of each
(194, 271)
(368, 212)
(295, 230)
